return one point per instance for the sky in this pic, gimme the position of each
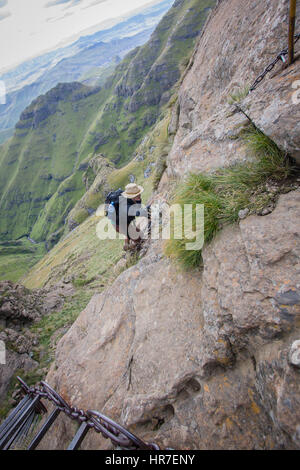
(31, 27)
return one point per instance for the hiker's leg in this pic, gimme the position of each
(126, 244)
(137, 242)
(134, 232)
(138, 234)
(124, 232)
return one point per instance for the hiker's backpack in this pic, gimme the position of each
(112, 202)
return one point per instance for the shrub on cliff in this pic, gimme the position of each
(227, 191)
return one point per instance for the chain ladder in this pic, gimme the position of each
(119, 436)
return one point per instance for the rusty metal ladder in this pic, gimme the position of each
(22, 422)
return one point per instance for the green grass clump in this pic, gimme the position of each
(197, 189)
(227, 191)
(238, 94)
(271, 161)
(62, 319)
(80, 216)
(81, 282)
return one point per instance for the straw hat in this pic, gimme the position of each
(132, 190)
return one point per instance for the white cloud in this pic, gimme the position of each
(62, 2)
(30, 30)
(53, 19)
(96, 2)
(5, 14)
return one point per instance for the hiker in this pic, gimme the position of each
(123, 208)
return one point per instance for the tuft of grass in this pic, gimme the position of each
(228, 190)
(81, 282)
(62, 319)
(271, 161)
(132, 260)
(238, 94)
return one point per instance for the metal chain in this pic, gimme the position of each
(280, 56)
(119, 436)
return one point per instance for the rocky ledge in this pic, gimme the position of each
(19, 309)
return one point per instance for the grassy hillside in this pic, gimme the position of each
(80, 256)
(38, 163)
(5, 135)
(44, 168)
(143, 82)
(17, 257)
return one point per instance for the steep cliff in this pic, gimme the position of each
(206, 359)
(224, 65)
(20, 308)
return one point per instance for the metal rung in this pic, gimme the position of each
(13, 427)
(79, 436)
(23, 442)
(12, 415)
(21, 431)
(52, 417)
(21, 425)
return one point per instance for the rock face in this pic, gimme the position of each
(18, 305)
(19, 309)
(294, 356)
(95, 180)
(223, 64)
(198, 360)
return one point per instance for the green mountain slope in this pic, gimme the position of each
(45, 166)
(144, 81)
(39, 161)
